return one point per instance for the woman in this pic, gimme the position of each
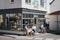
(43, 30)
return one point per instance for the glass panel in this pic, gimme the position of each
(35, 21)
(12, 0)
(42, 3)
(27, 21)
(28, 1)
(27, 15)
(41, 16)
(13, 22)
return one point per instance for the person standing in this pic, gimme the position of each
(34, 28)
(43, 30)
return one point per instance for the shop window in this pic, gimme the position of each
(30, 21)
(41, 16)
(13, 22)
(24, 16)
(27, 16)
(35, 21)
(27, 21)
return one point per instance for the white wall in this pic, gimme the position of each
(53, 22)
(55, 6)
(6, 4)
(31, 6)
(1, 4)
(59, 22)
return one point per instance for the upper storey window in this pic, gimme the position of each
(12, 1)
(28, 1)
(42, 3)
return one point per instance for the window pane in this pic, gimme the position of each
(27, 15)
(12, 0)
(42, 3)
(23, 21)
(28, 1)
(41, 16)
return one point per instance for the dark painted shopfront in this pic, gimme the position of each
(16, 19)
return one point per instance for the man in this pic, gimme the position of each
(34, 28)
(43, 30)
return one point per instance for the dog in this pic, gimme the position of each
(30, 32)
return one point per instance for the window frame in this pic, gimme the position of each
(28, 1)
(42, 3)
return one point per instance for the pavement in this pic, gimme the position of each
(37, 36)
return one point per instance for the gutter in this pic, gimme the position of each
(52, 2)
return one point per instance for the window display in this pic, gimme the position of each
(13, 22)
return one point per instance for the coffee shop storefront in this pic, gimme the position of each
(16, 19)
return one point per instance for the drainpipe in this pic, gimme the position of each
(52, 2)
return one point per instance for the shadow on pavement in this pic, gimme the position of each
(9, 35)
(53, 32)
(6, 35)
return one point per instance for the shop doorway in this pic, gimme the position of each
(38, 21)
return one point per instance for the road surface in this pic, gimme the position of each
(38, 36)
